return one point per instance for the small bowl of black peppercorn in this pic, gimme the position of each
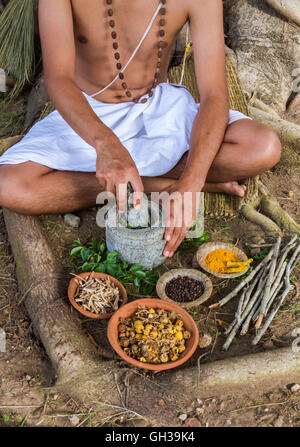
(187, 288)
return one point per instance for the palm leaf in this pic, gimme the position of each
(17, 52)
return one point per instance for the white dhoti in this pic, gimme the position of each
(156, 134)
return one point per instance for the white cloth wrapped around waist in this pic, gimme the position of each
(156, 134)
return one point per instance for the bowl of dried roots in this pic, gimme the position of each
(96, 295)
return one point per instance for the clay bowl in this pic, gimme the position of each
(191, 273)
(73, 286)
(207, 248)
(129, 309)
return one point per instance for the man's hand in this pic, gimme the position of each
(181, 212)
(115, 168)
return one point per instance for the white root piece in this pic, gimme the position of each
(96, 295)
(270, 279)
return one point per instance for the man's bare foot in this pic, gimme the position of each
(233, 188)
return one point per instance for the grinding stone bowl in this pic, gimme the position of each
(191, 273)
(129, 309)
(208, 247)
(137, 246)
(73, 287)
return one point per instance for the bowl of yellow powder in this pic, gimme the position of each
(223, 260)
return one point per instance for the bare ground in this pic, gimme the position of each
(26, 393)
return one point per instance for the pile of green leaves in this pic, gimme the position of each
(96, 258)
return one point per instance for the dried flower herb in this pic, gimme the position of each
(153, 335)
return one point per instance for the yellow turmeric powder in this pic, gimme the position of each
(217, 260)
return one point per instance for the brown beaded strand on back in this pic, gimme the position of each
(117, 56)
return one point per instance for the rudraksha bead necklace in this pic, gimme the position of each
(161, 45)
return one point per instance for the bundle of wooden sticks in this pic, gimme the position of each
(263, 291)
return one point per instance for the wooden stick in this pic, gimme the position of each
(246, 324)
(243, 283)
(252, 302)
(240, 306)
(289, 287)
(267, 290)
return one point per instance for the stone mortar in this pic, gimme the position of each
(137, 246)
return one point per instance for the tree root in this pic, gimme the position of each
(272, 208)
(275, 220)
(257, 218)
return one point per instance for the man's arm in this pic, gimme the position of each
(114, 163)
(206, 20)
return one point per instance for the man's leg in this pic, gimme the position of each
(248, 149)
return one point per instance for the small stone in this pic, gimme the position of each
(295, 388)
(291, 194)
(192, 422)
(278, 422)
(205, 341)
(74, 419)
(222, 406)
(72, 220)
(55, 397)
(28, 378)
(228, 422)
(183, 417)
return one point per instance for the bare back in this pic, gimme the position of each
(95, 65)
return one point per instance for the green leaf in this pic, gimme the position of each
(101, 268)
(75, 251)
(135, 267)
(137, 282)
(102, 247)
(112, 257)
(140, 274)
(114, 270)
(77, 243)
(88, 267)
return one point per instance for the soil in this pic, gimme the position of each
(26, 393)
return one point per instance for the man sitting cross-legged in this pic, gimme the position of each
(118, 120)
